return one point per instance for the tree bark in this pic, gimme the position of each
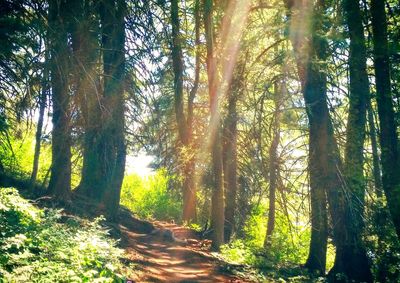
(230, 159)
(387, 136)
(351, 257)
(274, 163)
(217, 200)
(323, 154)
(358, 95)
(184, 125)
(326, 180)
(102, 108)
(89, 95)
(112, 148)
(39, 128)
(375, 155)
(60, 180)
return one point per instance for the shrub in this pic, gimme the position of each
(150, 197)
(36, 247)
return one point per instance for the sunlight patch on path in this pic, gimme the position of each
(157, 260)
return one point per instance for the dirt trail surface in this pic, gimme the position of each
(159, 259)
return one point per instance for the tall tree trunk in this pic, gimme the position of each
(274, 163)
(85, 45)
(217, 200)
(230, 159)
(388, 136)
(323, 154)
(322, 162)
(112, 148)
(190, 209)
(375, 155)
(184, 128)
(60, 180)
(351, 257)
(102, 107)
(39, 127)
(359, 94)
(324, 158)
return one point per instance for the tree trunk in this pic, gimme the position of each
(230, 161)
(351, 257)
(322, 145)
(217, 200)
(274, 163)
(112, 148)
(60, 180)
(190, 186)
(359, 94)
(376, 168)
(102, 107)
(321, 160)
(388, 136)
(88, 95)
(324, 158)
(184, 126)
(39, 127)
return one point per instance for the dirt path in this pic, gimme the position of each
(161, 260)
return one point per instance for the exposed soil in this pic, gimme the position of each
(158, 258)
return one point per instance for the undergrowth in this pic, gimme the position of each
(42, 245)
(151, 198)
(280, 262)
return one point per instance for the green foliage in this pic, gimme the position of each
(289, 241)
(257, 266)
(17, 151)
(256, 226)
(238, 252)
(150, 197)
(382, 243)
(36, 246)
(288, 249)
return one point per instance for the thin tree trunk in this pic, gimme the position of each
(273, 164)
(60, 180)
(190, 201)
(388, 136)
(359, 94)
(184, 125)
(375, 155)
(39, 128)
(177, 64)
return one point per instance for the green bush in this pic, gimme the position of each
(238, 252)
(35, 246)
(289, 245)
(256, 226)
(150, 197)
(17, 153)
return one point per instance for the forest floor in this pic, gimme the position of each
(158, 258)
(150, 254)
(162, 251)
